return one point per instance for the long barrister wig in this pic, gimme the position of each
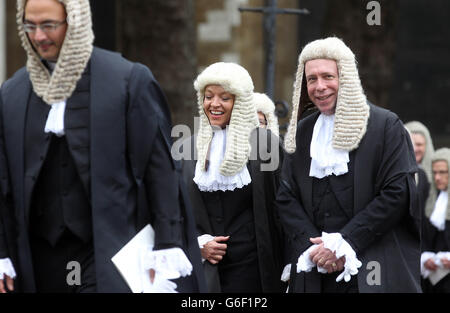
(237, 81)
(442, 154)
(73, 57)
(352, 110)
(266, 106)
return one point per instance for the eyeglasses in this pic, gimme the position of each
(46, 27)
(442, 173)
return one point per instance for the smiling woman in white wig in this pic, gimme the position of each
(232, 196)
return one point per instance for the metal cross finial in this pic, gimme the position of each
(270, 12)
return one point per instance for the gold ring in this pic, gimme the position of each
(334, 265)
(321, 261)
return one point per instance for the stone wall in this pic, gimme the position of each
(225, 34)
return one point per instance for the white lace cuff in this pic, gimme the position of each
(286, 275)
(304, 263)
(6, 268)
(340, 247)
(168, 264)
(204, 239)
(441, 255)
(423, 258)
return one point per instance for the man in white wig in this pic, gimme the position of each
(347, 198)
(423, 146)
(435, 260)
(423, 150)
(266, 112)
(85, 164)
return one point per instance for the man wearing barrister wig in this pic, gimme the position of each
(266, 112)
(347, 198)
(435, 259)
(85, 164)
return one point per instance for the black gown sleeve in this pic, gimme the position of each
(149, 131)
(396, 194)
(297, 226)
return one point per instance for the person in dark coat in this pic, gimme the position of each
(435, 259)
(423, 150)
(347, 198)
(85, 163)
(266, 113)
(232, 179)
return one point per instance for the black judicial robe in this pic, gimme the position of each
(268, 233)
(436, 241)
(133, 179)
(381, 228)
(423, 188)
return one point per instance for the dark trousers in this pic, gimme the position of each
(56, 268)
(329, 284)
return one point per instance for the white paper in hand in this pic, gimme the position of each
(438, 274)
(128, 259)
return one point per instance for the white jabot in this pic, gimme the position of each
(325, 159)
(7, 268)
(437, 218)
(168, 264)
(55, 119)
(211, 179)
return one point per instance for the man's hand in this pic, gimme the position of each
(430, 265)
(445, 263)
(9, 284)
(213, 251)
(326, 258)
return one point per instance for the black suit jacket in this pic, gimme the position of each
(385, 218)
(269, 236)
(134, 180)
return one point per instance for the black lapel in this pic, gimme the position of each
(343, 187)
(302, 163)
(201, 214)
(14, 112)
(36, 145)
(108, 144)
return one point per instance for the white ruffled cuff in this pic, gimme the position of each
(340, 247)
(6, 268)
(304, 262)
(436, 258)
(168, 264)
(204, 239)
(286, 275)
(423, 258)
(442, 255)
